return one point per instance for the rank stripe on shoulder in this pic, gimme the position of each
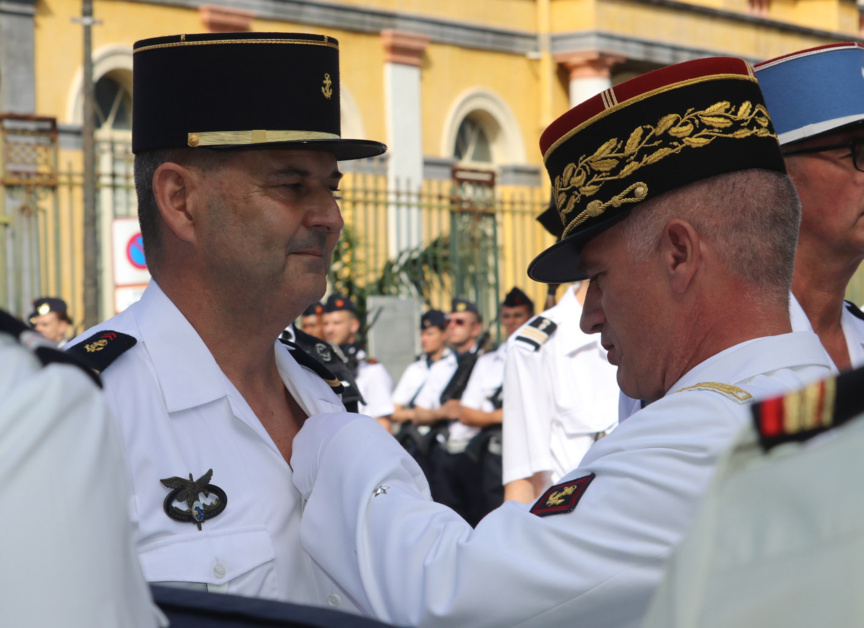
(814, 409)
(727, 390)
(101, 349)
(537, 332)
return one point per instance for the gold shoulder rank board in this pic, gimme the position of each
(536, 332)
(561, 498)
(727, 390)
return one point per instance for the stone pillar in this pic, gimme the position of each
(403, 55)
(590, 73)
(17, 56)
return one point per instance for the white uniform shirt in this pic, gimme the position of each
(418, 563)
(853, 328)
(65, 537)
(429, 397)
(412, 380)
(376, 385)
(179, 414)
(557, 398)
(486, 378)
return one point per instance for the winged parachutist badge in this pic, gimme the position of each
(190, 491)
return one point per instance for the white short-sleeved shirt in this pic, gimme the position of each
(557, 396)
(486, 378)
(376, 386)
(412, 380)
(440, 374)
(850, 321)
(595, 565)
(65, 538)
(180, 415)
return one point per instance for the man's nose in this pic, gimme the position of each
(593, 318)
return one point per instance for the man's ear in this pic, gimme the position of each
(680, 253)
(355, 325)
(175, 189)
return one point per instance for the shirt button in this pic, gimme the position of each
(333, 600)
(219, 570)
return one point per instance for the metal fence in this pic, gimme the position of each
(464, 236)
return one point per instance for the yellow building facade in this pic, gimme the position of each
(459, 89)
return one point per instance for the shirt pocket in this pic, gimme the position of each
(238, 560)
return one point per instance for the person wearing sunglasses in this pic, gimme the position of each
(452, 475)
(816, 101)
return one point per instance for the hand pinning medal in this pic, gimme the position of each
(190, 491)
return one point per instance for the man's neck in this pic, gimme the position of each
(820, 294)
(240, 335)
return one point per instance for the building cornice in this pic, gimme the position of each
(479, 36)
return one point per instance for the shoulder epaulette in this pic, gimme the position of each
(44, 350)
(536, 332)
(101, 349)
(812, 410)
(727, 390)
(856, 312)
(304, 359)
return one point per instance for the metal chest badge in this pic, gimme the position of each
(190, 491)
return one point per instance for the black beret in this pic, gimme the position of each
(433, 318)
(337, 303)
(45, 305)
(313, 310)
(516, 298)
(240, 90)
(463, 305)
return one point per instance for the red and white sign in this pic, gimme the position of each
(130, 267)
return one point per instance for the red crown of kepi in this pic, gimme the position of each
(644, 137)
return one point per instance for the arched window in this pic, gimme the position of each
(481, 130)
(472, 142)
(113, 105)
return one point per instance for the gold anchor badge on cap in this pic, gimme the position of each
(190, 491)
(327, 88)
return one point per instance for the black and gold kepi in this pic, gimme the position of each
(643, 138)
(240, 91)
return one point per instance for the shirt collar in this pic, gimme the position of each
(763, 355)
(187, 372)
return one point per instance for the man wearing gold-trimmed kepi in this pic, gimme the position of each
(236, 139)
(673, 197)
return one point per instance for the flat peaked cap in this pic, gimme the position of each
(643, 138)
(814, 91)
(240, 91)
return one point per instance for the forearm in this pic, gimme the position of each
(478, 418)
(525, 490)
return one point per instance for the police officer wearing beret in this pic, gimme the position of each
(312, 320)
(373, 381)
(816, 99)
(236, 139)
(51, 319)
(673, 196)
(481, 406)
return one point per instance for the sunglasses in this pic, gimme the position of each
(856, 147)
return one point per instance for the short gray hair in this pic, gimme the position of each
(751, 217)
(146, 164)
